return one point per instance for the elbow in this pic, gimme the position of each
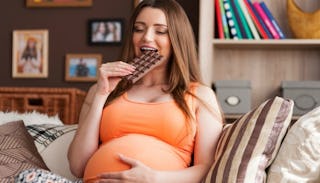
(76, 172)
(75, 166)
(76, 169)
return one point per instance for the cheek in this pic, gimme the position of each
(166, 46)
(135, 39)
(135, 42)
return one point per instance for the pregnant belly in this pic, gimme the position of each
(149, 150)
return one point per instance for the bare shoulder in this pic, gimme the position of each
(208, 98)
(205, 93)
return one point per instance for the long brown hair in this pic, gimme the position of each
(183, 66)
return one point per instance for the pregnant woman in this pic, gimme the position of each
(163, 127)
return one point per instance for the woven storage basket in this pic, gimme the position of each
(64, 102)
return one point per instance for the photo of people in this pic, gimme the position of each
(82, 67)
(30, 60)
(30, 53)
(105, 31)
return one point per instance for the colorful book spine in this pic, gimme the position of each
(219, 20)
(265, 28)
(251, 25)
(242, 20)
(234, 29)
(224, 20)
(266, 20)
(255, 20)
(239, 20)
(273, 20)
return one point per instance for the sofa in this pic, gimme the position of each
(264, 145)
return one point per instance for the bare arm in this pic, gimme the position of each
(87, 102)
(86, 139)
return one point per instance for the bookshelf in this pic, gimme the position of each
(264, 62)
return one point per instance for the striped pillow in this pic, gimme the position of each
(248, 146)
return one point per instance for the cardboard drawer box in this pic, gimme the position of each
(234, 96)
(305, 94)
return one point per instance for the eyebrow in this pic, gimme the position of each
(162, 25)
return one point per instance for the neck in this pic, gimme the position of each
(156, 77)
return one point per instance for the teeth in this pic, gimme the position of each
(148, 49)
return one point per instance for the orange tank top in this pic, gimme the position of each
(157, 134)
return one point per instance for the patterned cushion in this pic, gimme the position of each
(17, 151)
(40, 175)
(298, 159)
(248, 146)
(45, 134)
(52, 142)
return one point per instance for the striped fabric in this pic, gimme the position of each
(45, 134)
(248, 146)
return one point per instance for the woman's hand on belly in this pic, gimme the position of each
(138, 172)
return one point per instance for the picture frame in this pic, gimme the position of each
(82, 67)
(58, 3)
(30, 53)
(105, 31)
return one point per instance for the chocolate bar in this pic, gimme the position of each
(144, 63)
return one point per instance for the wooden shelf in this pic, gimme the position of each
(274, 44)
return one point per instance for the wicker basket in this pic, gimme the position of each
(66, 102)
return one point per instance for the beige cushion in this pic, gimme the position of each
(248, 146)
(52, 142)
(17, 151)
(298, 160)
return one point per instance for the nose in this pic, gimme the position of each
(149, 35)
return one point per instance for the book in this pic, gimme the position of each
(224, 20)
(266, 20)
(234, 29)
(273, 20)
(255, 20)
(240, 21)
(247, 16)
(260, 20)
(219, 20)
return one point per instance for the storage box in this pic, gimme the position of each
(234, 96)
(305, 94)
(64, 102)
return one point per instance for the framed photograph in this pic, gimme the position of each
(105, 31)
(82, 67)
(59, 3)
(30, 54)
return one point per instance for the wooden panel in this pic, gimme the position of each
(266, 68)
